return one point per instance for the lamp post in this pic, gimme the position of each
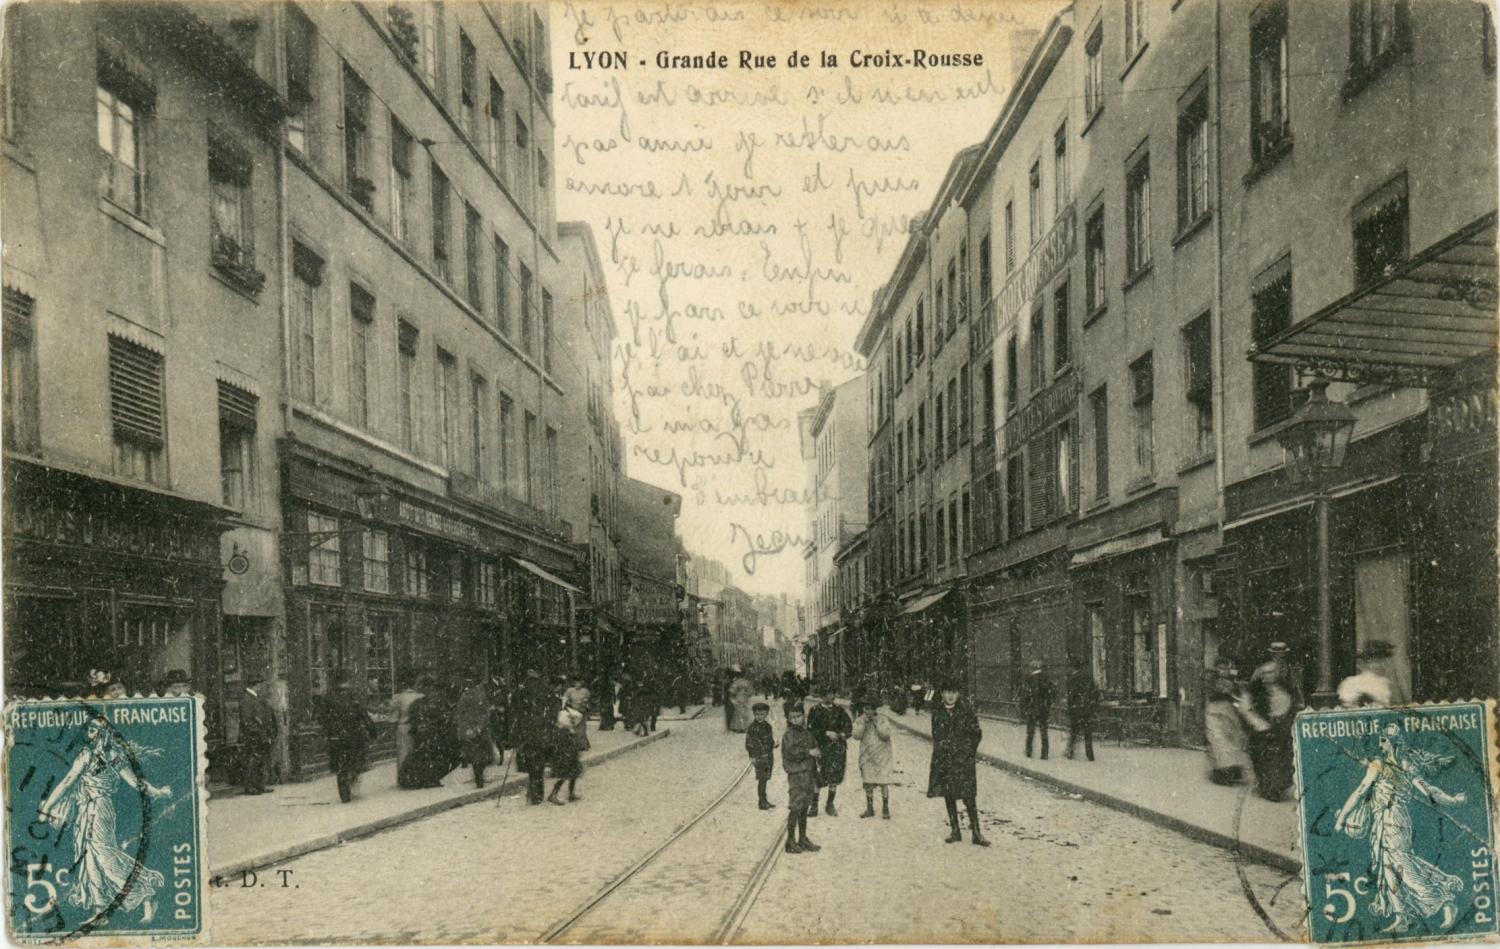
(1314, 440)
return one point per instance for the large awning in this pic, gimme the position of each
(923, 602)
(552, 578)
(1411, 328)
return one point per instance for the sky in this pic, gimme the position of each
(750, 172)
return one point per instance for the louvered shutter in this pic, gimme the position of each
(237, 407)
(135, 392)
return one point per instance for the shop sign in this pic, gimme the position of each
(1458, 419)
(1054, 402)
(434, 522)
(1042, 265)
(137, 533)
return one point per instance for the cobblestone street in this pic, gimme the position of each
(1060, 869)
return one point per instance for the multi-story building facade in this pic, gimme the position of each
(423, 526)
(648, 547)
(141, 403)
(838, 432)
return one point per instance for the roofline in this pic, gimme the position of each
(584, 234)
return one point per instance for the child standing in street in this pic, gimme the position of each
(799, 753)
(873, 733)
(760, 743)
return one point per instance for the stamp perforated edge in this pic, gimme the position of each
(201, 796)
(1492, 783)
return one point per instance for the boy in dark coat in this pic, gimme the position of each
(799, 754)
(955, 741)
(349, 729)
(760, 743)
(831, 728)
(1036, 704)
(1083, 699)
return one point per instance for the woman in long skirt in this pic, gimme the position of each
(565, 763)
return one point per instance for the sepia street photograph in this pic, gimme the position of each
(749, 472)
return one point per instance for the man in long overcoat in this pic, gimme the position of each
(471, 722)
(349, 730)
(257, 735)
(955, 743)
(533, 718)
(1036, 704)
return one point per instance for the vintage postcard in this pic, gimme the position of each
(753, 471)
(105, 819)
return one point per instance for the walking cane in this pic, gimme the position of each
(499, 795)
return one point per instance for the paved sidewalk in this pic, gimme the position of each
(249, 832)
(1166, 786)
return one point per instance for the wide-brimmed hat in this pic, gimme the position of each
(179, 676)
(1278, 649)
(1377, 649)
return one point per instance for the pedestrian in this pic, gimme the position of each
(1371, 686)
(1036, 704)
(652, 697)
(566, 765)
(872, 729)
(1275, 696)
(403, 702)
(918, 697)
(740, 691)
(1083, 702)
(955, 745)
(760, 744)
(831, 728)
(604, 687)
(435, 747)
(257, 735)
(177, 683)
(1223, 725)
(471, 725)
(348, 728)
(533, 714)
(799, 754)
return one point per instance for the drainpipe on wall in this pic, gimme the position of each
(283, 241)
(1216, 321)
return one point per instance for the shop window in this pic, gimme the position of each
(473, 228)
(324, 565)
(1199, 389)
(361, 323)
(401, 182)
(1192, 161)
(440, 224)
(1270, 127)
(407, 375)
(484, 583)
(1093, 77)
(137, 411)
(417, 576)
(1138, 216)
(1094, 262)
(1143, 646)
(1381, 233)
(380, 655)
(1099, 650)
(377, 561)
(310, 342)
(327, 650)
(357, 180)
(456, 579)
(502, 286)
(22, 418)
(1099, 416)
(237, 417)
(1271, 312)
(1143, 416)
(301, 81)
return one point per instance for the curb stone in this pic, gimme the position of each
(1224, 841)
(325, 841)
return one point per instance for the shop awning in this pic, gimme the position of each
(1411, 328)
(923, 602)
(552, 578)
(1116, 546)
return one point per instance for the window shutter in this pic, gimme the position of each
(237, 407)
(18, 309)
(135, 392)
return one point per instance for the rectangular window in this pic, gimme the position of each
(441, 228)
(921, 433)
(910, 353)
(1036, 345)
(1064, 490)
(357, 179)
(952, 416)
(1041, 461)
(953, 529)
(468, 84)
(484, 583)
(497, 128)
(473, 231)
(921, 332)
(900, 454)
(546, 331)
(922, 521)
(1093, 78)
(1380, 233)
(966, 525)
(1379, 31)
(447, 409)
(1138, 215)
(528, 461)
(22, 428)
(963, 280)
(237, 418)
(523, 166)
(122, 170)
(940, 532)
(456, 570)
(1099, 416)
(1143, 416)
(1093, 251)
(1012, 374)
(1099, 650)
(526, 311)
(229, 166)
(507, 442)
(1270, 131)
(502, 286)
(324, 563)
(406, 383)
(1015, 496)
(479, 430)
(1271, 312)
(416, 568)
(1010, 236)
(1061, 341)
(986, 277)
(952, 297)
(987, 393)
(433, 46)
(1192, 162)
(361, 321)
(552, 471)
(137, 410)
(939, 430)
(937, 319)
(965, 404)
(301, 80)
(380, 670)
(1143, 646)
(377, 561)
(1034, 201)
(911, 447)
(401, 186)
(1135, 28)
(1197, 345)
(307, 319)
(1062, 182)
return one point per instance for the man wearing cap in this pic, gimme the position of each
(760, 745)
(1036, 704)
(533, 722)
(257, 735)
(831, 728)
(1275, 697)
(1371, 686)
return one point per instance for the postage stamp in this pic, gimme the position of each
(1397, 822)
(105, 818)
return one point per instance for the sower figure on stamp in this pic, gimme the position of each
(955, 744)
(831, 728)
(799, 754)
(1083, 702)
(1275, 697)
(257, 735)
(760, 744)
(1036, 704)
(348, 729)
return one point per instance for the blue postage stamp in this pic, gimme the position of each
(1397, 808)
(105, 815)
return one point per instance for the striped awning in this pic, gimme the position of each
(923, 602)
(1412, 327)
(550, 577)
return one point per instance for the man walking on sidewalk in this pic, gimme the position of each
(1036, 704)
(349, 729)
(533, 721)
(1083, 699)
(257, 735)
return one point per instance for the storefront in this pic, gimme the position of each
(1019, 614)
